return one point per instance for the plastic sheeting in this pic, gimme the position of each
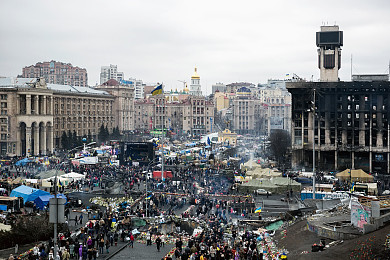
(27, 193)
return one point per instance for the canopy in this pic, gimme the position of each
(43, 200)
(73, 175)
(27, 193)
(355, 175)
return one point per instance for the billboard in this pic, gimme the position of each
(276, 123)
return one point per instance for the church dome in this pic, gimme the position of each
(186, 90)
(244, 91)
(195, 75)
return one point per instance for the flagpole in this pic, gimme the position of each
(162, 140)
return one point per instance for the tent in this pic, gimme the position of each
(27, 193)
(73, 176)
(274, 185)
(354, 175)
(43, 200)
(264, 172)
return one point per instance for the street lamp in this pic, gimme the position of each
(146, 183)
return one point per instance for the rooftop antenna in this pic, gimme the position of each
(351, 66)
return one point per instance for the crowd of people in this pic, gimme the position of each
(204, 190)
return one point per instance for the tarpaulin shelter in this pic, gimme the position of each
(42, 201)
(274, 185)
(22, 162)
(27, 193)
(355, 175)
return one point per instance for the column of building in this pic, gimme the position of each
(35, 105)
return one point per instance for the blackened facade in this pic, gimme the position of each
(351, 125)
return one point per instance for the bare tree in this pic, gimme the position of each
(280, 143)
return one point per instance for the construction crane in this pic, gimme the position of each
(184, 83)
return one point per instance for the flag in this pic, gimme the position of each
(208, 140)
(287, 74)
(148, 197)
(258, 210)
(158, 90)
(60, 183)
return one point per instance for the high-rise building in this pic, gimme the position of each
(218, 87)
(348, 122)
(110, 72)
(56, 72)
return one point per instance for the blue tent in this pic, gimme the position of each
(27, 193)
(43, 200)
(22, 162)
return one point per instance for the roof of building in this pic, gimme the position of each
(76, 89)
(12, 82)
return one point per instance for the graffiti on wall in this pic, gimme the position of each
(360, 214)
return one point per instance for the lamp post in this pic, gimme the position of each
(146, 184)
(314, 143)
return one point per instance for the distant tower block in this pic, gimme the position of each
(329, 40)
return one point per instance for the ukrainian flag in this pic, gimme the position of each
(148, 197)
(258, 210)
(158, 90)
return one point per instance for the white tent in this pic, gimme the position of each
(74, 176)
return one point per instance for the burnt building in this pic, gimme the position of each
(349, 120)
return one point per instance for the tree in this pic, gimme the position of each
(70, 140)
(64, 140)
(116, 135)
(280, 142)
(102, 135)
(89, 137)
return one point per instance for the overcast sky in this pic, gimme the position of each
(163, 40)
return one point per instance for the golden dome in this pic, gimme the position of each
(186, 90)
(195, 76)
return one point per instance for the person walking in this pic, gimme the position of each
(131, 240)
(107, 246)
(101, 245)
(81, 218)
(158, 243)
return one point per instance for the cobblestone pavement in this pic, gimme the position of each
(141, 251)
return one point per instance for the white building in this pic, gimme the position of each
(110, 72)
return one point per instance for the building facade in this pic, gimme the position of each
(123, 105)
(185, 114)
(35, 114)
(245, 112)
(351, 127)
(55, 72)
